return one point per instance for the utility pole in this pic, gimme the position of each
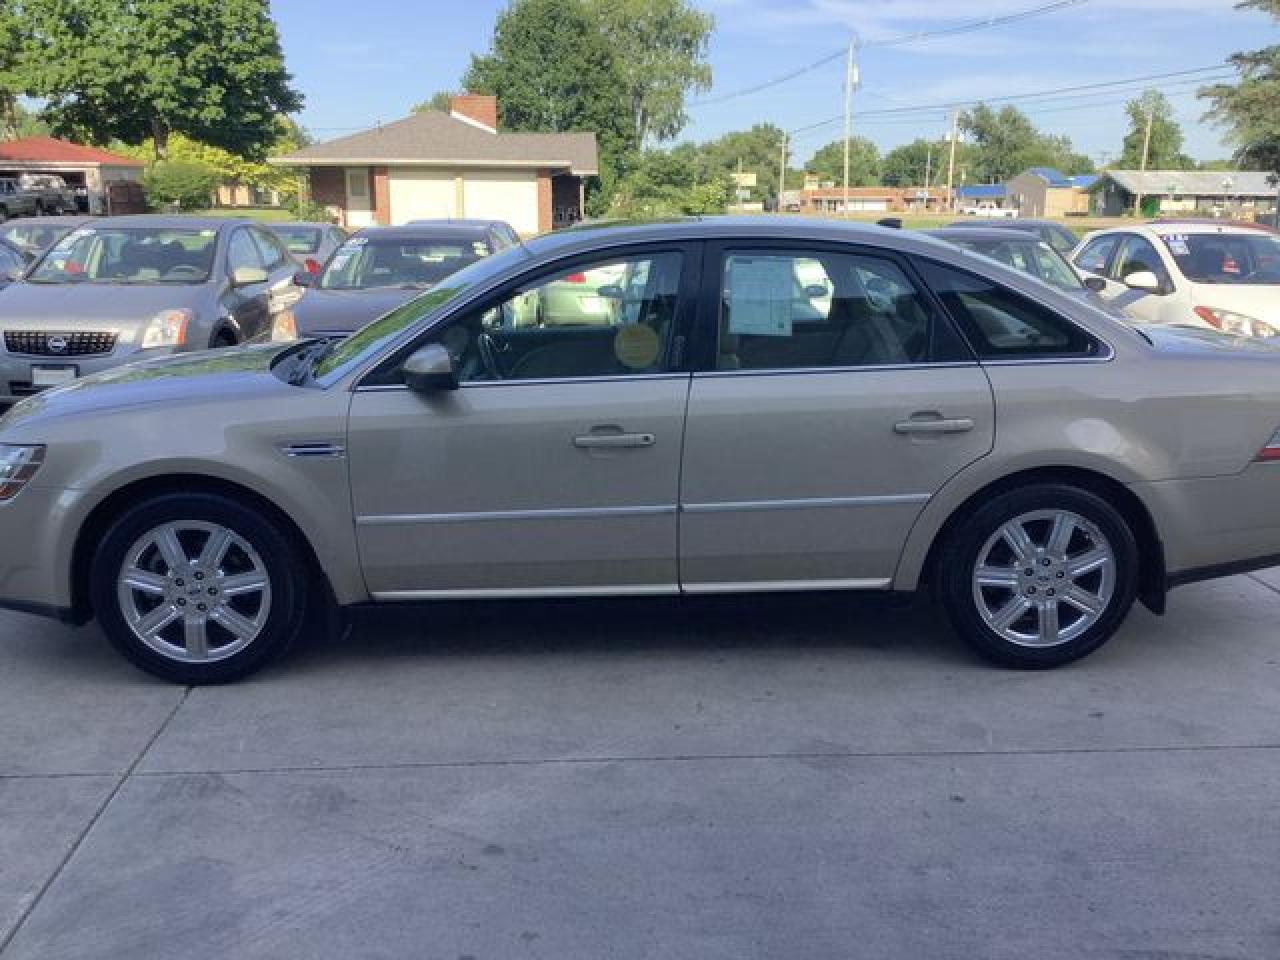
(928, 168)
(782, 171)
(850, 84)
(1146, 145)
(951, 163)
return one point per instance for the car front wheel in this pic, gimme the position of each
(1039, 576)
(196, 588)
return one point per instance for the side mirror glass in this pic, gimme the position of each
(429, 369)
(815, 290)
(247, 276)
(1096, 284)
(1143, 280)
(611, 291)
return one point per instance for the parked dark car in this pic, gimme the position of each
(132, 288)
(15, 201)
(500, 234)
(310, 244)
(1050, 231)
(37, 235)
(380, 268)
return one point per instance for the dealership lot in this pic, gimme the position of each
(725, 778)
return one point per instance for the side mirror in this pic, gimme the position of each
(815, 290)
(611, 291)
(429, 369)
(1096, 284)
(305, 278)
(1143, 280)
(247, 276)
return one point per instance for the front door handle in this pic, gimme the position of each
(933, 423)
(615, 440)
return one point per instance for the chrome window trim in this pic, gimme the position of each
(539, 381)
(551, 513)
(808, 503)
(866, 368)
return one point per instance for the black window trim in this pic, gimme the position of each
(690, 280)
(706, 337)
(1105, 354)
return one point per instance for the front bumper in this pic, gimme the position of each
(37, 537)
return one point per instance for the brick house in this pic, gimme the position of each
(450, 165)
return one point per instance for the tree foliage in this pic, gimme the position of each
(1165, 149)
(678, 182)
(1006, 142)
(1248, 109)
(187, 184)
(660, 48)
(864, 162)
(132, 69)
(437, 101)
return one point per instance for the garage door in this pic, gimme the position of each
(512, 197)
(421, 194)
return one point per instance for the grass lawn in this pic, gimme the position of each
(250, 213)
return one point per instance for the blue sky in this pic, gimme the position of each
(362, 65)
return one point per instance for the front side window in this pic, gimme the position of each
(129, 255)
(1137, 255)
(1003, 324)
(243, 252)
(10, 261)
(785, 310)
(613, 318)
(1093, 258)
(272, 250)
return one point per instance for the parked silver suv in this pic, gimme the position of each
(766, 405)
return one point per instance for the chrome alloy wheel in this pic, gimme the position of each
(194, 591)
(1043, 578)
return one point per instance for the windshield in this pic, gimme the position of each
(135, 255)
(1029, 256)
(369, 262)
(373, 338)
(32, 235)
(299, 239)
(1237, 258)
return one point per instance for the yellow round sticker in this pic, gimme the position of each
(636, 346)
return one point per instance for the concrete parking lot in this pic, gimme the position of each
(817, 777)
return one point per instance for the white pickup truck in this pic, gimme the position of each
(990, 210)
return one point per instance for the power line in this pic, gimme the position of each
(901, 40)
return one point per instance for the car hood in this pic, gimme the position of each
(239, 374)
(1260, 301)
(59, 306)
(345, 311)
(1193, 341)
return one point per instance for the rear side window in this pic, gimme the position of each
(1001, 323)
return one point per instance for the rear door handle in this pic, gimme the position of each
(933, 424)
(615, 440)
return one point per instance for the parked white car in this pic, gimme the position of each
(991, 210)
(1220, 277)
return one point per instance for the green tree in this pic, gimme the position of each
(188, 184)
(1165, 149)
(757, 151)
(678, 182)
(131, 69)
(13, 34)
(437, 101)
(912, 163)
(1247, 109)
(552, 70)
(1006, 142)
(660, 47)
(864, 162)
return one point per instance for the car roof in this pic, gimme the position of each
(313, 224)
(1183, 228)
(421, 231)
(984, 233)
(58, 221)
(173, 221)
(456, 221)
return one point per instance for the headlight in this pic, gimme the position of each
(285, 326)
(17, 466)
(1237, 324)
(168, 328)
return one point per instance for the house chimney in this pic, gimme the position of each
(477, 109)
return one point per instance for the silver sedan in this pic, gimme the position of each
(768, 405)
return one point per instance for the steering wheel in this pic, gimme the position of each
(183, 270)
(489, 356)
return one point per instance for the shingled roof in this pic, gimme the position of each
(436, 139)
(53, 151)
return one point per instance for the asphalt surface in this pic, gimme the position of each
(797, 777)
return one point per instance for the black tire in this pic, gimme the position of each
(287, 571)
(223, 338)
(957, 568)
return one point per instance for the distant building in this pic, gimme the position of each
(88, 170)
(830, 199)
(1236, 192)
(451, 165)
(1045, 192)
(979, 193)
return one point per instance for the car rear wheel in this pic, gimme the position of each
(223, 338)
(1039, 576)
(195, 588)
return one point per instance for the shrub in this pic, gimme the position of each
(187, 184)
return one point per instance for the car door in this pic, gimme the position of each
(553, 468)
(247, 304)
(833, 399)
(1136, 254)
